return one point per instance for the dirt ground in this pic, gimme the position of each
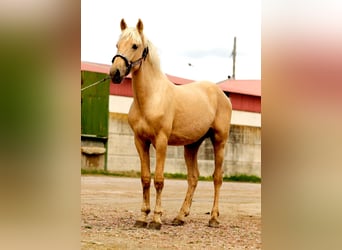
(110, 205)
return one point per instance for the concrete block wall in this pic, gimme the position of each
(242, 152)
(92, 155)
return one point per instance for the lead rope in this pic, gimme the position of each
(95, 83)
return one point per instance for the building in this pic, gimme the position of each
(243, 152)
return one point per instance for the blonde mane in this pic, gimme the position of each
(153, 56)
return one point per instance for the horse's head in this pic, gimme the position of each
(132, 50)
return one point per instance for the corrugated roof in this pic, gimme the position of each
(247, 87)
(95, 67)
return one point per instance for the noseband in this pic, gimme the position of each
(130, 64)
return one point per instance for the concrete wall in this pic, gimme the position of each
(242, 153)
(121, 104)
(92, 154)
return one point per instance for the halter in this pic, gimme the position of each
(131, 64)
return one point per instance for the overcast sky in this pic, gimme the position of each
(200, 33)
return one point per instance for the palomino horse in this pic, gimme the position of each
(165, 114)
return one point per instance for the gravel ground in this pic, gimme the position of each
(110, 205)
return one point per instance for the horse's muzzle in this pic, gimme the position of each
(116, 78)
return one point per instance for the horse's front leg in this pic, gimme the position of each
(161, 147)
(143, 148)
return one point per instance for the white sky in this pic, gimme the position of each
(184, 31)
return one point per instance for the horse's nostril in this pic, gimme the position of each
(116, 77)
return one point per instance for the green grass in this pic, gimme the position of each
(116, 173)
(179, 176)
(243, 178)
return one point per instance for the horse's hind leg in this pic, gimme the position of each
(190, 155)
(218, 141)
(143, 150)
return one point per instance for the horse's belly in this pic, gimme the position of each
(189, 127)
(179, 141)
(187, 135)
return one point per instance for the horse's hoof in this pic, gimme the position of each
(154, 225)
(213, 223)
(140, 224)
(177, 222)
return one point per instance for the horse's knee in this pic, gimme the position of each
(218, 182)
(159, 183)
(192, 181)
(146, 182)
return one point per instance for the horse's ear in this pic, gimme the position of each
(123, 25)
(140, 26)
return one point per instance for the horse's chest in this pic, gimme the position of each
(142, 126)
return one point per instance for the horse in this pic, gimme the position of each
(163, 114)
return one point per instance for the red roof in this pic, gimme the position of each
(95, 67)
(247, 87)
(244, 94)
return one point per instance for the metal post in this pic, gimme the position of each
(234, 57)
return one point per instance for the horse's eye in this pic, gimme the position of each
(134, 46)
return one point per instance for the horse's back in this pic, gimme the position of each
(204, 91)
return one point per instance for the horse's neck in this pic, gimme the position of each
(149, 81)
